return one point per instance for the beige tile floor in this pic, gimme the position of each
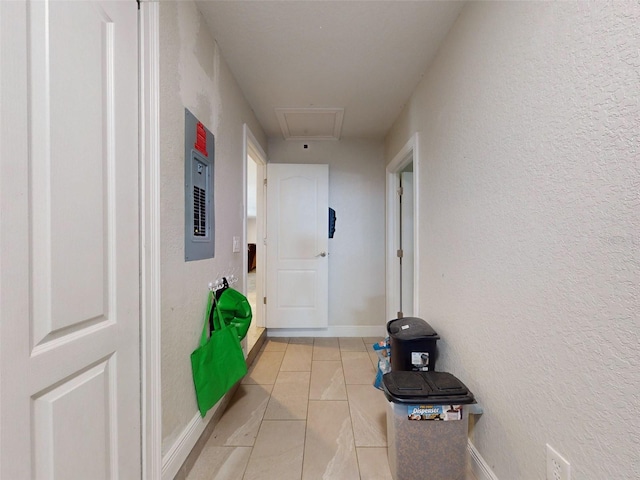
(306, 410)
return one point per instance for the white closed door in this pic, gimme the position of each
(297, 246)
(69, 241)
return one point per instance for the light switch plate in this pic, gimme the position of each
(236, 244)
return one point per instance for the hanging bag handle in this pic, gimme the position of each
(217, 324)
(205, 333)
(216, 300)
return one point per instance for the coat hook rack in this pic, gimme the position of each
(222, 282)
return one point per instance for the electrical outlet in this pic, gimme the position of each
(557, 466)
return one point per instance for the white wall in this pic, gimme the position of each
(252, 190)
(252, 230)
(194, 75)
(357, 252)
(530, 221)
(252, 201)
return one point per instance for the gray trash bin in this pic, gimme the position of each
(427, 425)
(413, 344)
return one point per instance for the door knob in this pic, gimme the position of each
(322, 254)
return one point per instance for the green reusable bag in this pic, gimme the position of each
(235, 310)
(218, 363)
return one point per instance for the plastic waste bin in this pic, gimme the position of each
(427, 425)
(413, 344)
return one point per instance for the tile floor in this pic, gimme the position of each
(306, 410)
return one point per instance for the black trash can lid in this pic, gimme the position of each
(439, 388)
(409, 328)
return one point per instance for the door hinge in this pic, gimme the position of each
(400, 191)
(400, 253)
(265, 182)
(264, 300)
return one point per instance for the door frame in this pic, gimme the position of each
(407, 154)
(251, 146)
(150, 291)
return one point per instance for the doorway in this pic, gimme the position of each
(406, 246)
(254, 228)
(402, 232)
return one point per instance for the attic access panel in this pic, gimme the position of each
(310, 123)
(199, 225)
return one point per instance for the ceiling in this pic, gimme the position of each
(305, 65)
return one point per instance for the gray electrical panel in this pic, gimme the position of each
(199, 226)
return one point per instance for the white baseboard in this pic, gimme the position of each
(331, 331)
(177, 454)
(479, 467)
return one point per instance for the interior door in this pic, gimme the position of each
(297, 241)
(69, 241)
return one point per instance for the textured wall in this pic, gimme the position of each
(530, 228)
(356, 193)
(193, 75)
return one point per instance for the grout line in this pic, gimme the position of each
(244, 471)
(306, 419)
(353, 431)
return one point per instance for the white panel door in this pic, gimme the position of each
(69, 241)
(297, 241)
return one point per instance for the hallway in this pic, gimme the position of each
(306, 409)
(521, 122)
